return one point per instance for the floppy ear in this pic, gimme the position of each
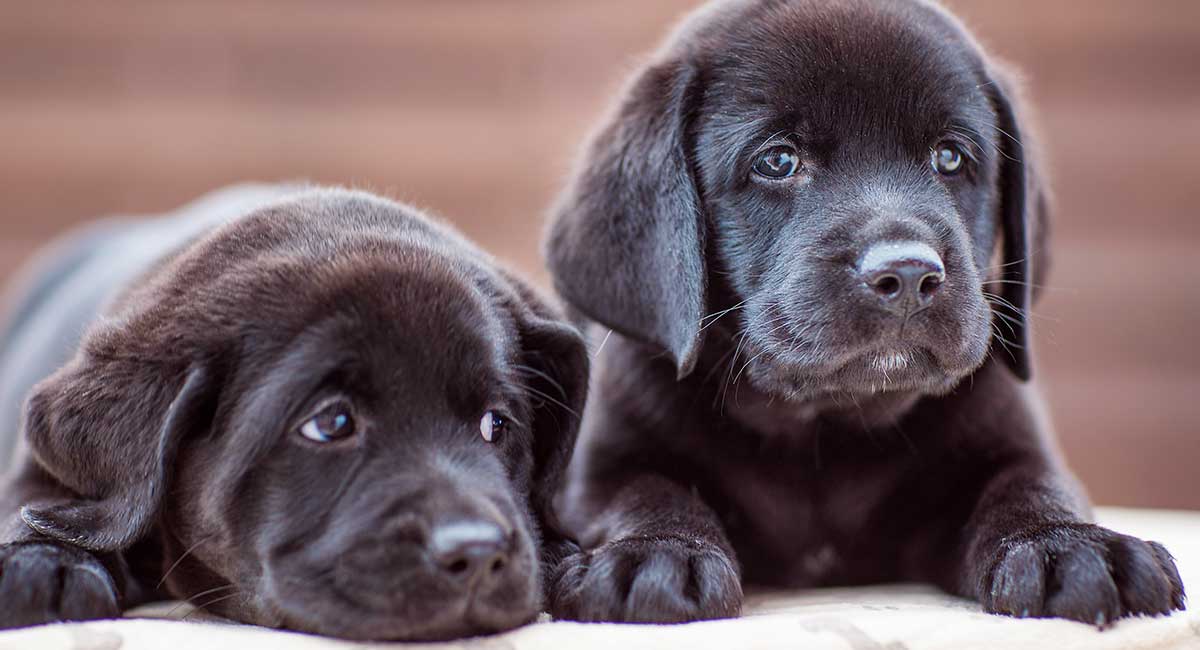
(626, 246)
(555, 373)
(1023, 225)
(109, 430)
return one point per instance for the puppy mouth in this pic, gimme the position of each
(875, 370)
(891, 369)
(455, 619)
(403, 606)
(886, 369)
(862, 355)
(894, 361)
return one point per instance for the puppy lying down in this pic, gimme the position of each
(308, 409)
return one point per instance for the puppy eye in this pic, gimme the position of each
(332, 422)
(777, 162)
(947, 159)
(492, 425)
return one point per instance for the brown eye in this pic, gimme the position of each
(947, 159)
(332, 422)
(777, 162)
(491, 426)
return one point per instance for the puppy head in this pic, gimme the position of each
(337, 417)
(838, 175)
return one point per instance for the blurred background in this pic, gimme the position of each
(475, 108)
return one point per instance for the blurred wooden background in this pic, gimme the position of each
(474, 108)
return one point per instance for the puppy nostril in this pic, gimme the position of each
(469, 550)
(887, 285)
(903, 275)
(930, 283)
(458, 566)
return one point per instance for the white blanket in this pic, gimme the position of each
(892, 617)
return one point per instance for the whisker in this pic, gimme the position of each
(795, 342)
(180, 559)
(542, 375)
(996, 299)
(737, 350)
(1008, 318)
(1005, 342)
(188, 600)
(745, 365)
(600, 347)
(912, 447)
(1000, 266)
(716, 316)
(965, 134)
(549, 398)
(1008, 135)
(1009, 322)
(997, 129)
(768, 141)
(716, 366)
(1039, 287)
(212, 602)
(1011, 319)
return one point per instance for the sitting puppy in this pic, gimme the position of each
(329, 414)
(814, 229)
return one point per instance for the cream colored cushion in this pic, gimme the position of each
(892, 617)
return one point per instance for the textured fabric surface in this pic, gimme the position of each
(892, 617)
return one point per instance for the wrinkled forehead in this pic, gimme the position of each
(416, 344)
(430, 327)
(403, 329)
(847, 68)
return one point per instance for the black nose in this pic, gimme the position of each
(470, 550)
(904, 275)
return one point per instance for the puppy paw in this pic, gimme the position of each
(42, 582)
(647, 580)
(1081, 572)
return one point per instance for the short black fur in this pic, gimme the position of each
(776, 405)
(165, 459)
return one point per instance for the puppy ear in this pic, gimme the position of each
(626, 246)
(109, 430)
(556, 375)
(554, 372)
(1023, 225)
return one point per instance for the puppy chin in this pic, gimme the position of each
(379, 628)
(375, 603)
(865, 372)
(329, 616)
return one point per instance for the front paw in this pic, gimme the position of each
(661, 579)
(1081, 572)
(42, 582)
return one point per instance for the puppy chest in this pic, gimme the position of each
(808, 528)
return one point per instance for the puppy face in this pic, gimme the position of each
(834, 176)
(382, 509)
(375, 420)
(849, 165)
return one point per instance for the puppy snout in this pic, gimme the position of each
(470, 551)
(905, 275)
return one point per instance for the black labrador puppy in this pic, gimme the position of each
(815, 228)
(329, 414)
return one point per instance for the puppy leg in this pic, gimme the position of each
(1029, 551)
(660, 557)
(43, 580)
